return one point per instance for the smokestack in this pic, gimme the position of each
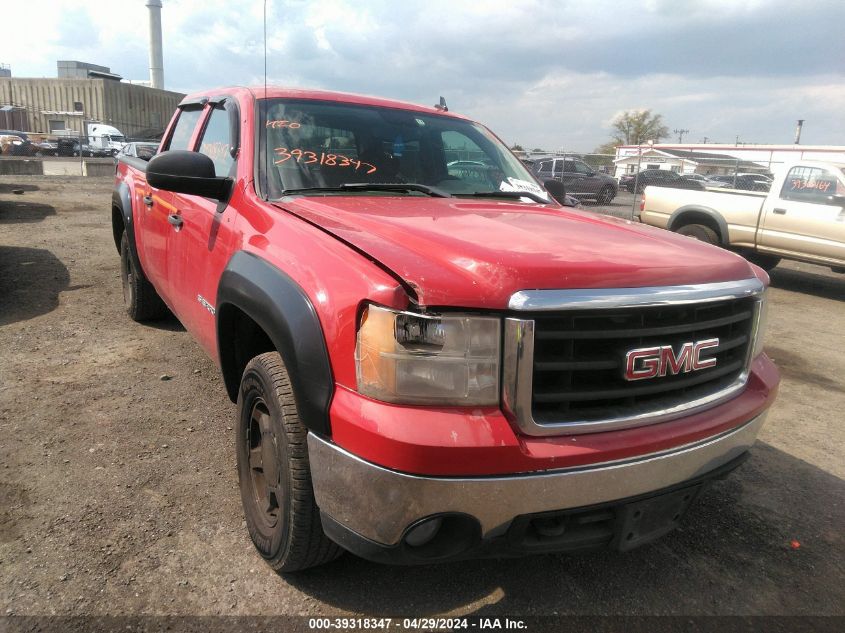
(156, 57)
(798, 131)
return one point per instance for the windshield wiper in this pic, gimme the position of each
(512, 195)
(372, 186)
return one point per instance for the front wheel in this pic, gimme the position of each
(274, 472)
(699, 232)
(766, 262)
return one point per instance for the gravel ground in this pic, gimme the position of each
(118, 491)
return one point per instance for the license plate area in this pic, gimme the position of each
(647, 520)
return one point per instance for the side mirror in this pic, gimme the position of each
(187, 172)
(556, 190)
(836, 200)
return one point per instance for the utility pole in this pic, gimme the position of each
(680, 134)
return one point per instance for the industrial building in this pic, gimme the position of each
(83, 93)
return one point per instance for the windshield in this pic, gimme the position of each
(318, 146)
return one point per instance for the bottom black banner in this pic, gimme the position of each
(295, 624)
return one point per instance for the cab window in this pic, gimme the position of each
(810, 184)
(216, 142)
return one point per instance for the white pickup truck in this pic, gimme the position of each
(802, 217)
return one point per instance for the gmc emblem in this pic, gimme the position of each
(648, 362)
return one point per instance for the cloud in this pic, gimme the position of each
(539, 72)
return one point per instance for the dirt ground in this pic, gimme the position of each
(118, 491)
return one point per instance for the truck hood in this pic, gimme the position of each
(477, 253)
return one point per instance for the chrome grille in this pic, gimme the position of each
(564, 370)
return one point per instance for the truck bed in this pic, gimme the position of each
(742, 207)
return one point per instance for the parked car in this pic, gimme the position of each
(430, 368)
(660, 178)
(759, 176)
(706, 181)
(745, 183)
(13, 145)
(17, 143)
(66, 146)
(138, 150)
(580, 180)
(22, 135)
(47, 148)
(801, 218)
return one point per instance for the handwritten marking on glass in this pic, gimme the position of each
(307, 157)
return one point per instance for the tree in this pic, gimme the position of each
(516, 147)
(635, 127)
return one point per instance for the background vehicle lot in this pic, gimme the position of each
(118, 490)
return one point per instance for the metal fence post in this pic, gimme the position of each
(736, 171)
(637, 179)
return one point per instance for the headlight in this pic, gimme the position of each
(411, 358)
(760, 324)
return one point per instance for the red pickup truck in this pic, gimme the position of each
(431, 358)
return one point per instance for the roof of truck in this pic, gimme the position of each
(282, 92)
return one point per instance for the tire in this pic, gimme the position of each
(139, 297)
(766, 262)
(699, 232)
(274, 473)
(606, 195)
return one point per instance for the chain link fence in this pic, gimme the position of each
(599, 179)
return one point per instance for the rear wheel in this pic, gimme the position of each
(699, 232)
(606, 195)
(274, 472)
(139, 297)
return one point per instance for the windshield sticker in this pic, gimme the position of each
(515, 184)
(293, 125)
(330, 160)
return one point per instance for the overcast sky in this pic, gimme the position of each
(550, 74)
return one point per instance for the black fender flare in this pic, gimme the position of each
(678, 215)
(281, 308)
(121, 199)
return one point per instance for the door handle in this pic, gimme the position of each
(175, 219)
(148, 200)
(779, 211)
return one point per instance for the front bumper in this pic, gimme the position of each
(379, 505)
